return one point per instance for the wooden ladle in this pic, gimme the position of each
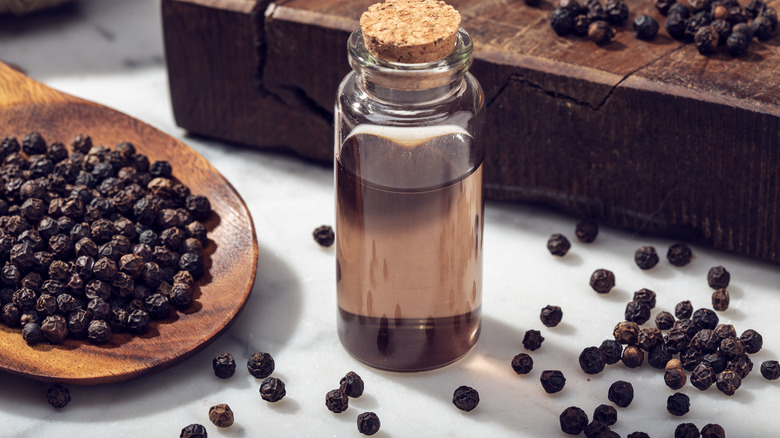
(230, 255)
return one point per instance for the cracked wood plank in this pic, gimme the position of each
(649, 136)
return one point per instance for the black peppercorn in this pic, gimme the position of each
(224, 366)
(716, 360)
(221, 415)
(675, 378)
(705, 318)
(605, 414)
(557, 244)
(596, 429)
(198, 205)
(552, 381)
(646, 296)
(260, 365)
(138, 321)
(78, 323)
(99, 331)
(600, 32)
(55, 328)
(617, 11)
(612, 350)
(464, 398)
(562, 21)
(678, 404)
(770, 369)
(720, 299)
(664, 5)
(706, 39)
(679, 254)
(621, 393)
(626, 332)
(706, 341)
(272, 390)
(683, 310)
(713, 430)
(551, 315)
(664, 320)
(581, 24)
(633, 357)
(742, 365)
(352, 385)
(728, 382)
(690, 357)
(157, 305)
(724, 331)
(573, 420)
(532, 340)
(181, 295)
(732, 347)
(737, 43)
(658, 356)
(686, 430)
(637, 311)
(752, 340)
(649, 337)
(522, 363)
(646, 28)
(324, 236)
(33, 334)
(762, 28)
(587, 230)
(645, 257)
(58, 396)
(368, 423)
(676, 340)
(602, 281)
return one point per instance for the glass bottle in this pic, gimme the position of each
(409, 208)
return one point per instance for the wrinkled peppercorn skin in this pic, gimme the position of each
(368, 423)
(337, 401)
(260, 365)
(272, 390)
(573, 420)
(465, 398)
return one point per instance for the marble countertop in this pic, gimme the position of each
(110, 51)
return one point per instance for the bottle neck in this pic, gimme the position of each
(410, 84)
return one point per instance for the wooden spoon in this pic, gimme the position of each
(230, 255)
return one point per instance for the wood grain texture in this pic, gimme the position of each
(648, 136)
(230, 257)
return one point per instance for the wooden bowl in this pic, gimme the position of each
(230, 257)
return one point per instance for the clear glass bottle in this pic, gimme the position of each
(409, 208)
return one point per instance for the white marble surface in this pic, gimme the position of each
(111, 52)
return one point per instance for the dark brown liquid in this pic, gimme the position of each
(409, 249)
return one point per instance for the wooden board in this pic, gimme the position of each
(648, 136)
(230, 256)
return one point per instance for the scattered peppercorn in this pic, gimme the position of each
(352, 385)
(762, 28)
(562, 21)
(705, 318)
(586, 231)
(605, 414)
(58, 395)
(465, 398)
(752, 340)
(633, 357)
(194, 431)
(272, 390)
(646, 28)
(720, 299)
(522, 363)
(683, 310)
(260, 365)
(573, 420)
(612, 350)
(675, 25)
(324, 236)
(728, 382)
(678, 404)
(532, 340)
(626, 332)
(558, 245)
(368, 423)
(645, 257)
(713, 430)
(686, 430)
(679, 254)
(621, 393)
(551, 315)
(664, 320)
(737, 43)
(595, 429)
(770, 369)
(224, 366)
(675, 378)
(706, 39)
(600, 32)
(646, 296)
(592, 360)
(221, 415)
(552, 381)
(602, 281)
(617, 11)
(637, 311)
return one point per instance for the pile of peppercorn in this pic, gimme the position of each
(713, 23)
(93, 242)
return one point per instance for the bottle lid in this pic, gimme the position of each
(410, 31)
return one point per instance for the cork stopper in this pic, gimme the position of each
(410, 31)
